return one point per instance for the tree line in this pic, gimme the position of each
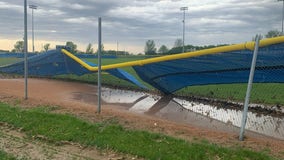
(72, 47)
(149, 49)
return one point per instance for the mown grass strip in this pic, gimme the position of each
(5, 156)
(8, 60)
(262, 93)
(110, 135)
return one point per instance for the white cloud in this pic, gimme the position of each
(80, 20)
(48, 12)
(8, 5)
(78, 6)
(133, 22)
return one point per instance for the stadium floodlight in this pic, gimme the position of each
(183, 21)
(33, 7)
(282, 15)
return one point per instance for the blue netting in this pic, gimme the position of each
(22, 55)
(221, 68)
(54, 62)
(15, 55)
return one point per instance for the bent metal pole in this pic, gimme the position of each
(251, 75)
(99, 64)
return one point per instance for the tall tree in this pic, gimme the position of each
(273, 33)
(102, 49)
(89, 49)
(177, 48)
(178, 43)
(19, 47)
(71, 46)
(46, 47)
(163, 49)
(150, 48)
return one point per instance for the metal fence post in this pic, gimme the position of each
(99, 64)
(252, 69)
(26, 49)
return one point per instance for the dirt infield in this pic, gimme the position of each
(60, 93)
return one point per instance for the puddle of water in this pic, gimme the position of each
(264, 124)
(120, 96)
(145, 104)
(199, 114)
(175, 112)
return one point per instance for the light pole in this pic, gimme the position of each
(282, 14)
(183, 21)
(33, 36)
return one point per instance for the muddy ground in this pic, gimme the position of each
(61, 94)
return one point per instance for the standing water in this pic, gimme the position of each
(196, 113)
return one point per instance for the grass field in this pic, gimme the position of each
(261, 93)
(110, 135)
(5, 156)
(6, 61)
(267, 93)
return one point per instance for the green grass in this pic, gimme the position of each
(265, 93)
(117, 60)
(107, 80)
(120, 60)
(5, 156)
(6, 61)
(111, 135)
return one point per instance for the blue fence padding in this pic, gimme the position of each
(94, 56)
(22, 55)
(54, 63)
(221, 68)
(15, 55)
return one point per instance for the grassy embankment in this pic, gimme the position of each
(110, 135)
(5, 156)
(6, 61)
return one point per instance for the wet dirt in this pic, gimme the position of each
(80, 99)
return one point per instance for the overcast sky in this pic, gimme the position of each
(132, 22)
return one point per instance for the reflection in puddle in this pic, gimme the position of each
(145, 104)
(120, 96)
(264, 124)
(199, 114)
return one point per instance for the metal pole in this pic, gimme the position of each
(183, 31)
(99, 64)
(282, 16)
(252, 69)
(26, 49)
(183, 9)
(33, 37)
(33, 31)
